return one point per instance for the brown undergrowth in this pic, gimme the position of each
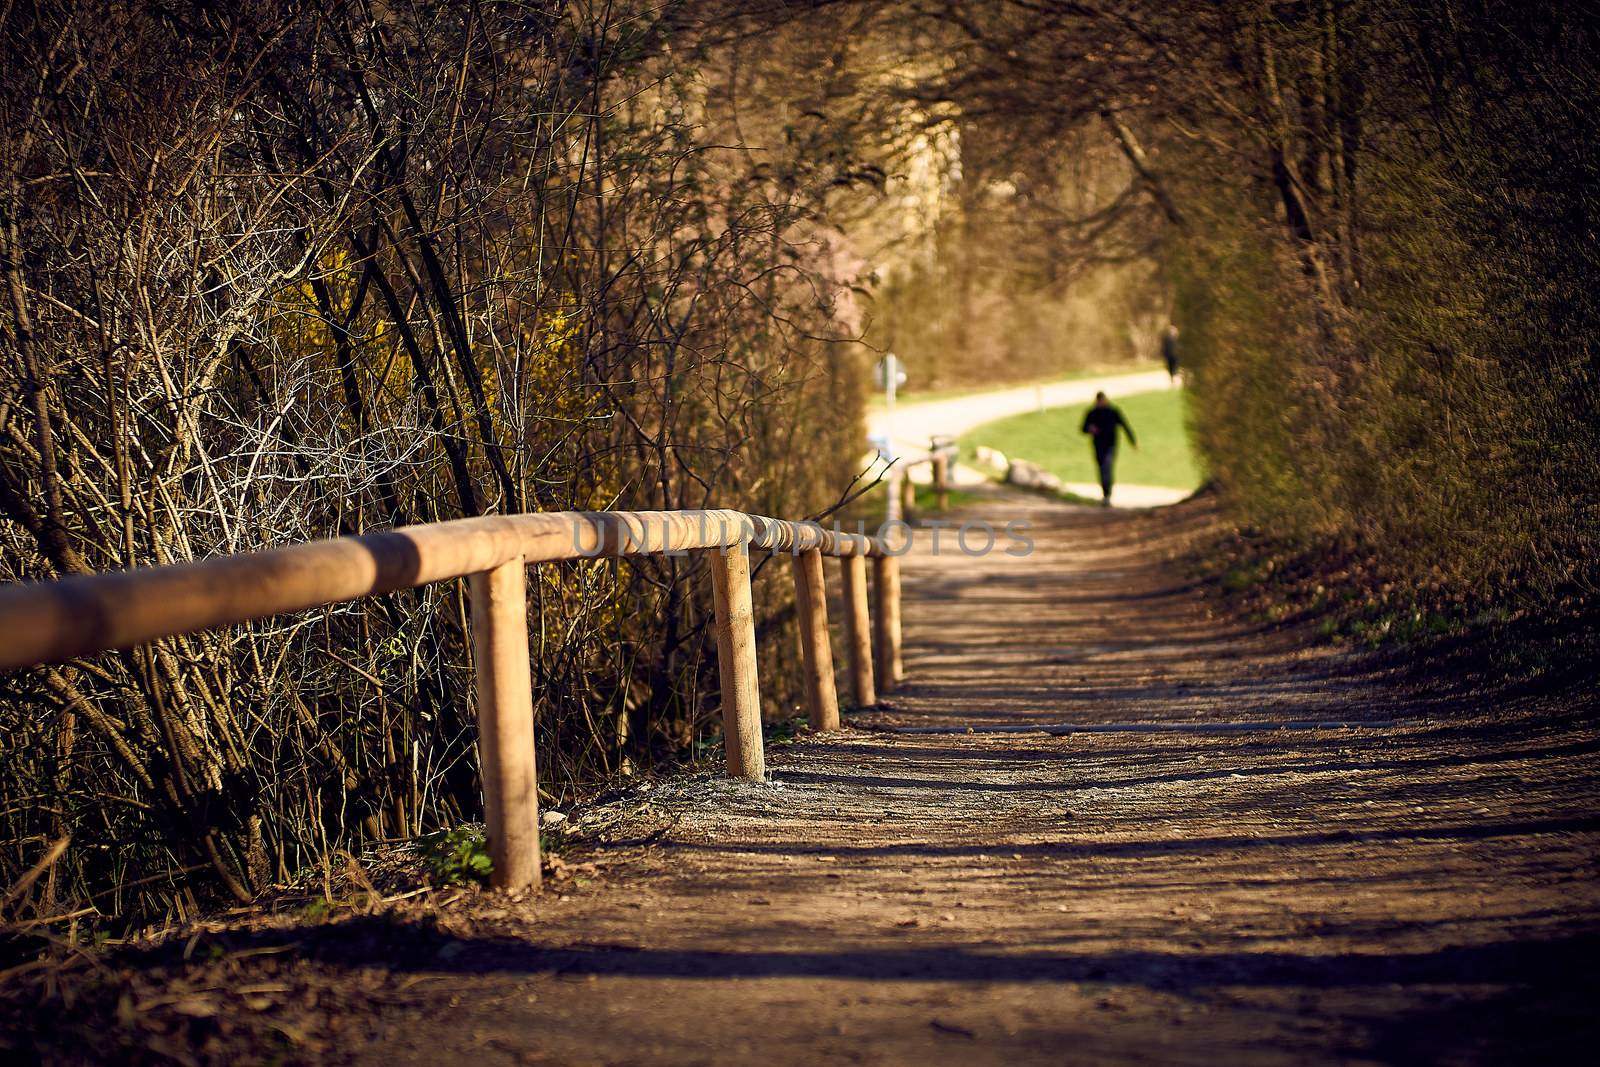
(1339, 591)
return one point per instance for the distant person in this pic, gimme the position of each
(1101, 423)
(1169, 352)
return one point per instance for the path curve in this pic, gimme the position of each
(916, 423)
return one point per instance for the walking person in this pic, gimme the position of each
(1169, 352)
(1101, 423)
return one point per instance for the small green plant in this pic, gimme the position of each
(456, 857)
(318, 911)
(1239, 579)
(784, 732)
(707, 747)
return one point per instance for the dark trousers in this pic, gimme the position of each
(1105, 459)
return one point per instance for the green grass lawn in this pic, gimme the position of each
(1052, 439)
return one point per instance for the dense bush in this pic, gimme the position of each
(1374, 223)
(1415, 373)
(285, 271)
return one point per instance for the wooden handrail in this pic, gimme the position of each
(49, 622)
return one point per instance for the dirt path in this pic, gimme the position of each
(1421, 892)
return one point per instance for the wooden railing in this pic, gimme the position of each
(901, 491)
(54, 621)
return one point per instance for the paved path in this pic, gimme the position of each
(1126, 495)
(917, 422)
(1419, 888)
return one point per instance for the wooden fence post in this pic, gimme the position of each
(858, 629)
(811, 610)
(505, 722)
(941, 480)
(886, 579)
(891, 505)
(736, 661)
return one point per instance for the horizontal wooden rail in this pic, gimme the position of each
(49, 622)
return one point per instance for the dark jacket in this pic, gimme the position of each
(1103, 423)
